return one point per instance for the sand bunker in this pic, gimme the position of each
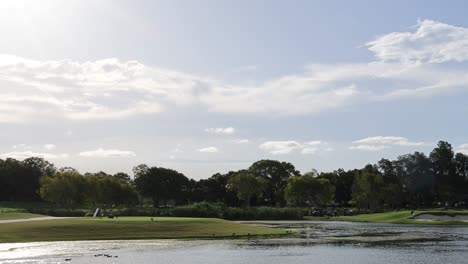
(429, 217)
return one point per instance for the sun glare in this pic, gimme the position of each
(26, 9)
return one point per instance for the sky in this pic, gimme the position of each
(212, 86)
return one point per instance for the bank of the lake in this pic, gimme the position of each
(130, 228)
(401, 217)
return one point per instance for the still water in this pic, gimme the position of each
(316, 242)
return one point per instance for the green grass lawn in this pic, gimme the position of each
(15, 213)
(398, 217)
(129, 228)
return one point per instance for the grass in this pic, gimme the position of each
(398, 217)
(15, 213)
(129, 228)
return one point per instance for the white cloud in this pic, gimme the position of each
(107, 153)
(310, 150)
(431, 42)
(209, 150)
(369, 147)
(49, 146)
(178, 149)
(316, 142)
(388, 140)
(111, 89)
(20, 155)
(280, 147)
(22, 146)
(242, 141)
(220, 130)
(286, 147)
(379, 143)
(463, 149)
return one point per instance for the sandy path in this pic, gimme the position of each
(45, 218)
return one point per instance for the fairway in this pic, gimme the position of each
(129, 228)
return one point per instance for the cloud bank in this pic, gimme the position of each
(407, 65)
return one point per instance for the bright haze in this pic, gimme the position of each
(212, 86)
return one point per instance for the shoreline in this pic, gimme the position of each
(404, 217)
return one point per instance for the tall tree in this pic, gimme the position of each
(66, 189)
(308, 190)
(415, 173)
(444, 171)
(367, 188)
(247, 186)
(123, 177)
(161, 184)
(461, 172)
(276, 174)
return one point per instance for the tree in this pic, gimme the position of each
(106, 190)
(344, 184)
(309, 190)
(342, 181)
(66, 189)
(140, 169)
(276, 175)
(247, 186)
(415, 174)
(444, 171)
(461, 166)
(367, 188)
(213, 189)
(388, 171)
(392, 191)
(161, 184)
(123, 177)
(19, 180)
(42, 166)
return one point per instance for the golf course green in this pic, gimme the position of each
(129, 228)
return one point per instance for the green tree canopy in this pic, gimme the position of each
(247, 186)
(308, 190)
(276, 175)
(161, 184)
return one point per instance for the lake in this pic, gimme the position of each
(315, 242)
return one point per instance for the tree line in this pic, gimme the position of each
(411, 181)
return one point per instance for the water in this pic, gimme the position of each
(316, 242)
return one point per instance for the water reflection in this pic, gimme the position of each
(316, 242)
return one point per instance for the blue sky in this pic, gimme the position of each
(211, 86)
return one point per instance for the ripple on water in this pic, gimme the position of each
(262, 251)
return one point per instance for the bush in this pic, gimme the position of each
(59, 212)
(202, 210)
(263, 213)
(216, 210)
